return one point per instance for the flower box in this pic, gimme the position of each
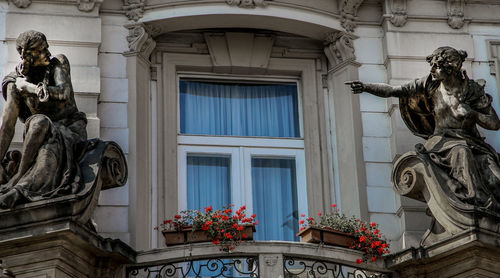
(326, 236)
(188, 236)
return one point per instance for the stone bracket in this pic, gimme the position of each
(248, 3)
(456, 17)
(339, 48)
(140, 41)
(134, 9)
(349, 13)
(399, 12)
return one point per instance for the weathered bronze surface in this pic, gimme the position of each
(455, 171)
(56, 159)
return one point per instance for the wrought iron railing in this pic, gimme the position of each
(240, 267)
(305, 268)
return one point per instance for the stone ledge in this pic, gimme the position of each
(472, 252)
(63, 247)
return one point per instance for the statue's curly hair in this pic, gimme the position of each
(30, 40)
(448, 58)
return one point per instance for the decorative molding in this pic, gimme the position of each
(493, 55)
(247, 3)
(239, 50)
(456, 17)
(140, 42)
(87, 5)
(339, 48)
(271, 260)
(399, 13)
(349, 13)
(21, 3)
(134, 9)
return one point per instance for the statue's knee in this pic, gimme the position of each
(38, 123)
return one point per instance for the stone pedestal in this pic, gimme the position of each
(472, 253)
(61, 249)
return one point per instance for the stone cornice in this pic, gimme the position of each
(140, 41)
(83, 5)
(349, 13)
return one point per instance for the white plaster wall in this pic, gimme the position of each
(112, 213)
(377, 132)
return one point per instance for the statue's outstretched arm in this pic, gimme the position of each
(378, 89)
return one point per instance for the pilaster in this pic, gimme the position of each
(350, 167)
(141, 45)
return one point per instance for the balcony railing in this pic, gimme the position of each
(266, 259)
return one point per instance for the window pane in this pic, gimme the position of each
(208, 181)
(275, 198)
(239, 109)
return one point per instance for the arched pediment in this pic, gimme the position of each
(307, 23)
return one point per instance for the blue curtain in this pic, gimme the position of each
(275, 198)
(208, 182)
(239, 109)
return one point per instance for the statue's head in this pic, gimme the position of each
(34, 50)
(446, 62)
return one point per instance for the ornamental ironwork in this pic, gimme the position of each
(247, 267)
(302, 268)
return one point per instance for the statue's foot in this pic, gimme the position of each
(8, 200)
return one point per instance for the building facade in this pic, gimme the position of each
(143, 71)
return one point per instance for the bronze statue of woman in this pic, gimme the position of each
(39, 92)
(445, 108)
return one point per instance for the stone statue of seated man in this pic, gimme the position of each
(445, 108)
(40, 94)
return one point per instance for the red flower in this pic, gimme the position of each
(374, 258)
(177, 216)
(376, 231)
(244, 235)
(243, 208)
(228, 235)
(235, 225)
(358, 261)
(205, 227)
(362, 239)
(208, 209)
(319, 213)
(310, 219)
(385, 245)
(240, 228)
(301, 228)
(334, 205)
(256, 223)
(373, 224)
(216, 241)
(254, 215)
(302, 222)
(209, 222)
(303, 215)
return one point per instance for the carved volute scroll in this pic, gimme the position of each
(247, 3)
(134, 9)
(21, 3)
(456, 18)
(349, 13)
(88, 5)
(339, 48)
(399, 13)
(140, 41)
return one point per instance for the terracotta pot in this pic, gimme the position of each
(188, 236)
(327, 236)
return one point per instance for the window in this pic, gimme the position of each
(240, 142)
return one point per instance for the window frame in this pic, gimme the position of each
(242, 149)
